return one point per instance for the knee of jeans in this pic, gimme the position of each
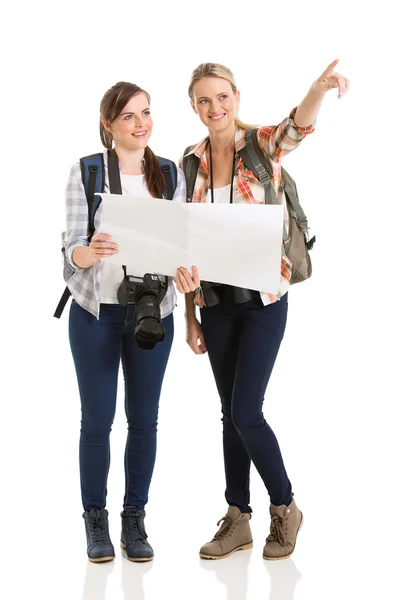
(94, 429)
(226, 410)
(243, 420)
(143, 428)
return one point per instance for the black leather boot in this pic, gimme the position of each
(134, 536)
(99, 546)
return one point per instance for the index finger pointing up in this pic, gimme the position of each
(329, 70)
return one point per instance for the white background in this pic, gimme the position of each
(333, 397)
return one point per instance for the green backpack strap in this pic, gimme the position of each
(295, 208)
(255, 161)
(291, 193)
(190, 167)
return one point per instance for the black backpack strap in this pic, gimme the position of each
(61, 305)
(93, 176)
(170, 176)
(91, 188)
(190, 167)
(92, 173)
(114, 178)
(166, 169)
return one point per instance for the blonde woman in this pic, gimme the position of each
(242, 329)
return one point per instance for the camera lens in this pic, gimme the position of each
(148, 333)
(146, 294)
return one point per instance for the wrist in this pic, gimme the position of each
(315, 88)
(191, 316)
(91, 259)
(82, 257)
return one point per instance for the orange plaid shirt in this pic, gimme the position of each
(275, 141)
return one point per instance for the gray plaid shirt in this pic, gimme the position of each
(84, 284)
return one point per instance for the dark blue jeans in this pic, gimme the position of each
(243, 342)
(98, 347)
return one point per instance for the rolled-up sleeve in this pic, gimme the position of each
(278, 140)
(76, 209)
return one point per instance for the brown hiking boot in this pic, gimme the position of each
(286, 522)
(234, 534)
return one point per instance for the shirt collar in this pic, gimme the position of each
(200, 149)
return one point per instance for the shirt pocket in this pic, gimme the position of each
(254, 186)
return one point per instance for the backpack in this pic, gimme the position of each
(296, 245)
(92, 170)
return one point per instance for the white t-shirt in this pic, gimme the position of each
(221, 195)
(112, 275)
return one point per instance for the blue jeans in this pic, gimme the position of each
(97, 348)
(243, 342)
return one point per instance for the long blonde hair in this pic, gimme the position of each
(215, 70)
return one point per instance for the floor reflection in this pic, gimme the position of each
(232, 572)
(133, 577)
(284, 578)
(95, 582)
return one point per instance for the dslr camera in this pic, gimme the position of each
(146, 293)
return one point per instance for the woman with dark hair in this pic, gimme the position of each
(242, 332)
(101, 330)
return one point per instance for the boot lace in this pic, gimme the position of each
(225, 530)
(278, 530)
(134, 525)
(98, 526)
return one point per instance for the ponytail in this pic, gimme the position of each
(105, 136)
(153, 174)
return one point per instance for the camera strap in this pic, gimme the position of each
(212, 178)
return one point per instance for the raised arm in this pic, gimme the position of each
(283, 138)
(308, 109)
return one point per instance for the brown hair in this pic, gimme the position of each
(111, 106)
(215, 70)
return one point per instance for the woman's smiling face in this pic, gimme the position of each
(132, 129)
(215, 102)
